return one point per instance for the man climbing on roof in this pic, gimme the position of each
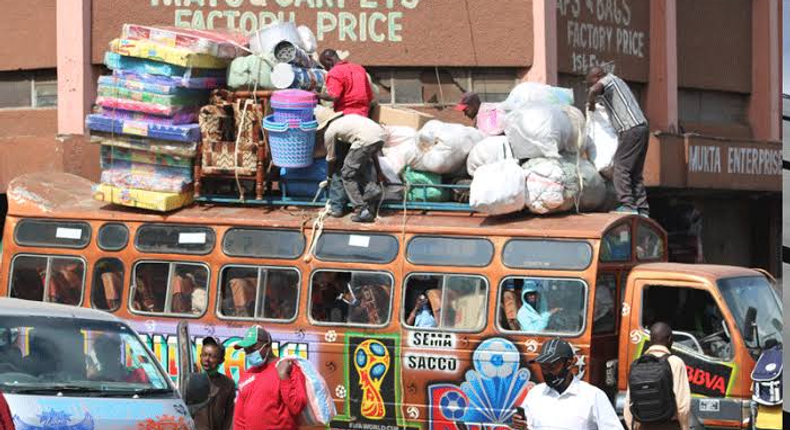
(632, 130)
(479, 112)
(358, 171)
(347, 85)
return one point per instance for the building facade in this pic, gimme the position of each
(707, 74)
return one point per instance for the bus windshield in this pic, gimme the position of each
(754, 291)
(79, 357)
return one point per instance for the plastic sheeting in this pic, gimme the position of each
(533, 92)
(602, 142)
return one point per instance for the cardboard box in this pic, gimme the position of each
(390, 115)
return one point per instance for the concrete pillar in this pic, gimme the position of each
(544, 24)
(75, 86)
(662, 88)
(764, 105)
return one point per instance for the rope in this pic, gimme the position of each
(247, 103)
(318, 229)
(439, 82)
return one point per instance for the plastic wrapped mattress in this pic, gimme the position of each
(178, 133)
(124, 66)
(227, 45)
(177, 56)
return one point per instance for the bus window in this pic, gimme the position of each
(64, 278)
(450, 302)
(604, 316)
(649, 243)
(107, 284)
(353, 298)
(616, 244)
(450, 251)
(547, 254)
(248, 292)
(357, 248)
(113, 237)
(175, 239)
(260, 243)
(693, 315)
(55, 234)
(170, 288)
(542, 306)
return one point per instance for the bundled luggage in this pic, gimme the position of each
(488, 151)
(538, 130)
(444, 147)
(498, 188)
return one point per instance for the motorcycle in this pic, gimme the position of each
(767, 390)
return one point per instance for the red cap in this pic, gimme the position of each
(461, 107)
(466, 99)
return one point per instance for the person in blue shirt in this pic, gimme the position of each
(421, 315)
(531, 316)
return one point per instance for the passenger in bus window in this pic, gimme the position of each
(280, 301)
(511, 302)
(468, 306)
(531, 317)
(112, 283)
(421, 314)
(150, 287)
(369, 295)
(65, 282)
(242, 294)
(28, 280)
(183, 288)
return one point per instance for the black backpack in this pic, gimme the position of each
(651, 386)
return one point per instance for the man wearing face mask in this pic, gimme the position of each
(271, 393)
(563, 401)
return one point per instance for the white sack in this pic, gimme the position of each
(552, 185)
(443, 147)
(390, 170)
(538, 131)
(498, 188)
(488, 151)
(602, 142)
(533, 92)
(578, 139)
(400, 148)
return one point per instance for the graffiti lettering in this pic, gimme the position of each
(431, 362)
(165, 350)
(432, 340)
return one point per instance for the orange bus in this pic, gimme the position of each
(416, 321)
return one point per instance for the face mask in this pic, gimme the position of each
(556, 380)
(255, 359)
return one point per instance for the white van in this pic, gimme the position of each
(76, 368)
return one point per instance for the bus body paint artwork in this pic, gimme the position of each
(161, 338)
(488, 394)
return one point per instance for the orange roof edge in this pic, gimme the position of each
(690, 272)
(66, 196)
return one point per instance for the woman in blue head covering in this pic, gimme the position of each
(531, 316)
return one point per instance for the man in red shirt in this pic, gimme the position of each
(347, 85)
(271, 394)
(6, 420)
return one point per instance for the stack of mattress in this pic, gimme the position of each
(146, 117)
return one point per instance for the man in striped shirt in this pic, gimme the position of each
(631, 126)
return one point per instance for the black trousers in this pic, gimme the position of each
(361, 187)
(629, 162)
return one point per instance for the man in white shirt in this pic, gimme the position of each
(564, 402)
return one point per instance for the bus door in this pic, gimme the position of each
(702, 338)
